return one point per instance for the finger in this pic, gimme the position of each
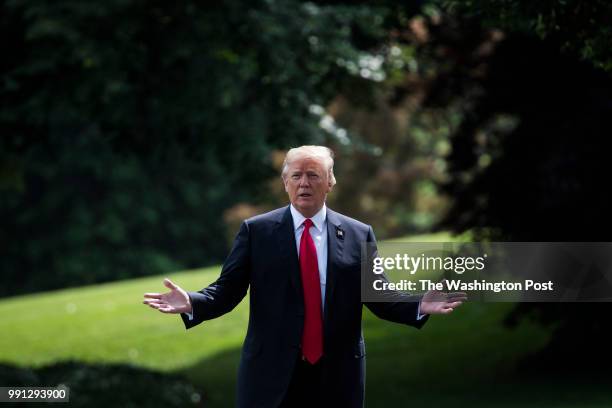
(156, 305)
(169, 284)
(437, 297)
(454, 297)
(454, 305)
(447, 310)
(162, 308)
(147, 301)
(167, 309)
(153, 295)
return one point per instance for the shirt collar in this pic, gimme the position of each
(318, 219)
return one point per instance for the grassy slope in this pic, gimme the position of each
(467, 359)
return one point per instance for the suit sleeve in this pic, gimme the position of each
(229, 289)
(399, 308)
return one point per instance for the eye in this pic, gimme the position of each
(295, 176)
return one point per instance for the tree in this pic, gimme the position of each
(529, 85)
(129, 127)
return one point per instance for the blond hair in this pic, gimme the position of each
(325, 154)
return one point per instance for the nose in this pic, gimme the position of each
(304, 182)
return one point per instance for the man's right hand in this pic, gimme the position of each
(175, 301)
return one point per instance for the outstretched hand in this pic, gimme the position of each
(439, 302)
(175, 301)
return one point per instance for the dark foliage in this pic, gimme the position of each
(529, 162)
(129, 127)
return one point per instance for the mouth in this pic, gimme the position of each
(305, 195)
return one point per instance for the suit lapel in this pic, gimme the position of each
(287, 250)
(335, 248)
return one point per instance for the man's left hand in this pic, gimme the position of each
(439, 302)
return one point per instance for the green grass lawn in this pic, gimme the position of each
(467, 359)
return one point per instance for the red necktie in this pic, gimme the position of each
(312, 338)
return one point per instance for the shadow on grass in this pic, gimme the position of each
(474, 361)
(106, 385)
(495, 390)
(216, 375)
(393, 380)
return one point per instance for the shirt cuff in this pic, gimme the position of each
(419, 315)
(190, 315)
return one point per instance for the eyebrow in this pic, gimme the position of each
(307, 172)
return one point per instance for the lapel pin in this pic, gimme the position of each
(339, 233)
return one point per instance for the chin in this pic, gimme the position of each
(309, 208)
(304, 207)
(304, 203)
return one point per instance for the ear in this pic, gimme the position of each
(285, 184)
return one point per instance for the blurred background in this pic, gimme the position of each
(135, 136)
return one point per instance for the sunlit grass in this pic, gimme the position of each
(108, 323)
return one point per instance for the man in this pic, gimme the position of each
(302, 263)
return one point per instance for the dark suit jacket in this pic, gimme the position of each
(264, 258)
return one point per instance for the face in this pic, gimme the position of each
(307, 184)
